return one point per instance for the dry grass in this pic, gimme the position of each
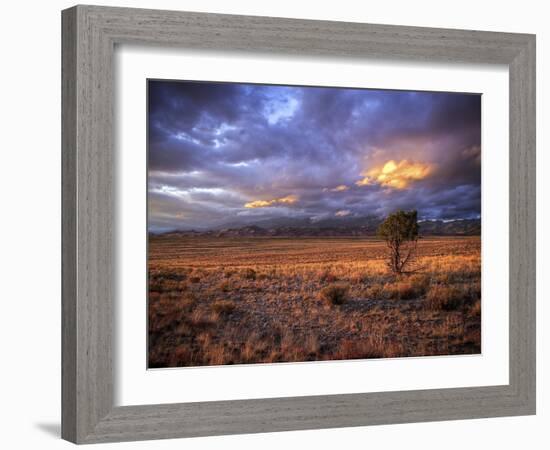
(443, 297)
(233, 301)
(452, 297)
(475, 309)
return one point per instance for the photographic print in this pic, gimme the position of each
(302, 223)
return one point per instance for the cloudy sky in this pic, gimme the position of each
(226, 153)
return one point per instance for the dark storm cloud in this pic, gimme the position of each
(232, 153)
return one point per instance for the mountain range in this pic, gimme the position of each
(341, 226)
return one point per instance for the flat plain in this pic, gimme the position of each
(244, 300)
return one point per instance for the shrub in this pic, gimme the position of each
(195, 279)
(335, 294)
(447, 298)
(421, 283)
(223, 306)
(224, 286)
(400, 290)
(407, 288)
(249, 274)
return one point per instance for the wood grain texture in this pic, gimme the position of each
(89, 36)
(68, 226)
(523, 224)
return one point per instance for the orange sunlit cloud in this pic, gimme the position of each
(397, 175)
(288, 200)
(340, 188)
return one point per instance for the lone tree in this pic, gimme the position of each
(400, 231)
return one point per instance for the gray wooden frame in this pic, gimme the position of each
(89, 36)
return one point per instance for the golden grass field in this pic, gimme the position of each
(216, 301)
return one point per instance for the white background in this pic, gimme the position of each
(134, 385)
(30, 233)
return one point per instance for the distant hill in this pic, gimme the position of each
(465, 227)
(345, 226)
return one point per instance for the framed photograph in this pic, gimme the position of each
(292, 223)
(278, 224)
